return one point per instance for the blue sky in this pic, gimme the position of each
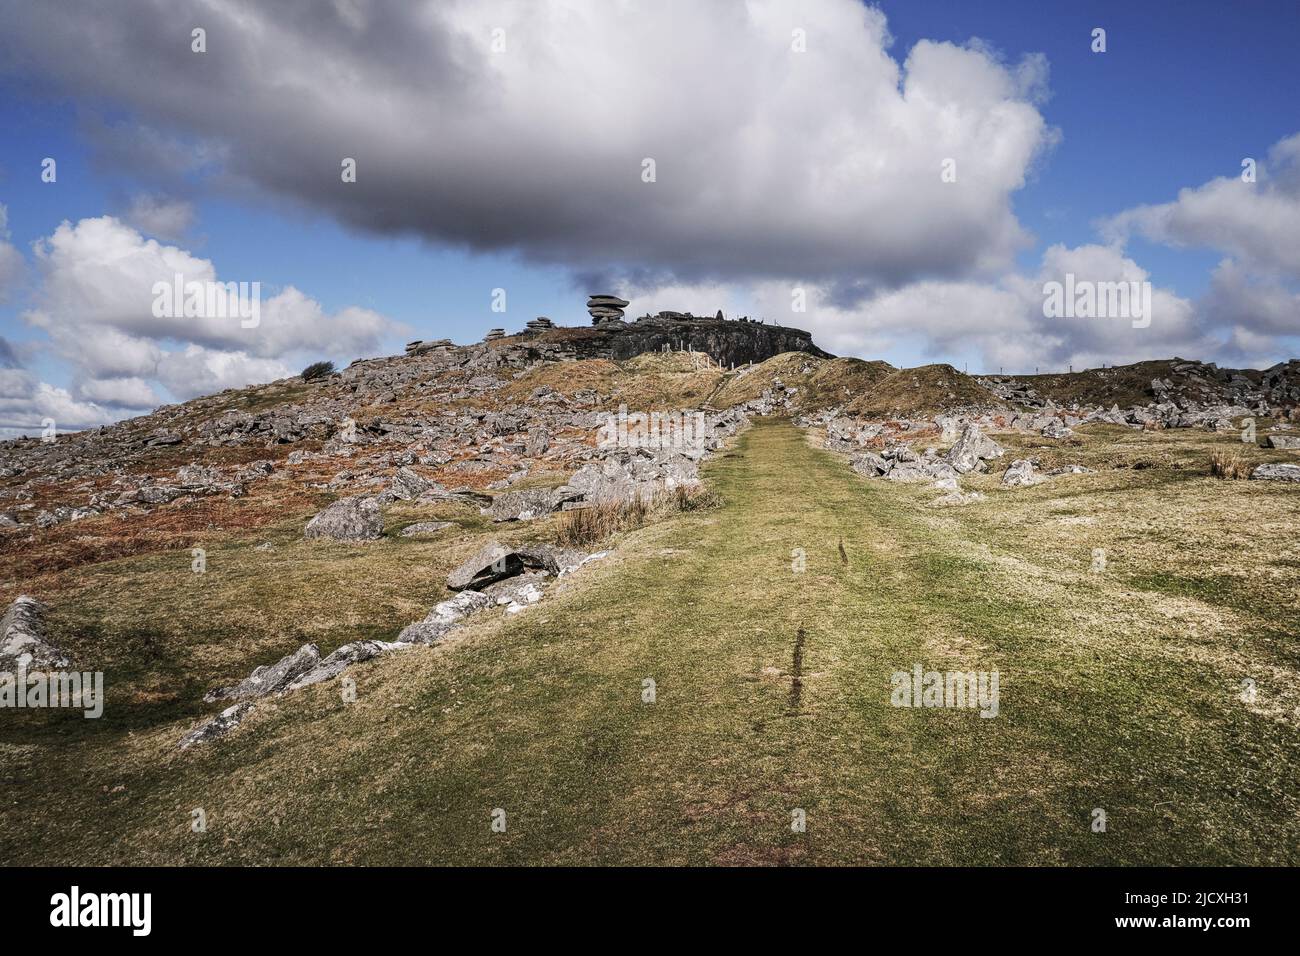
(1183, 92)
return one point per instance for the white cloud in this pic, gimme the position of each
(96, 303)
(26, 403)
(1258, 223)
(998, 323)
(199, 371)
(118, 393)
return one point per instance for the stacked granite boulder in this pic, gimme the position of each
(541, 322)
(606, 308)
(494, 334)
(419, 347)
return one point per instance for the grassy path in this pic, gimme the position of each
(543, 716)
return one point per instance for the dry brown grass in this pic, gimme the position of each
(1229, 464)
(597, 523)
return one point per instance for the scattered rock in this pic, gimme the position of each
(1276, 473)
(355, 518)
(1056, 429)
(529, 504)
(217, 726)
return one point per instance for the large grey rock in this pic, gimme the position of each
(1284, 441)
(23, 640)
(355, 518)
(868, 464)
(270, 678)
(528, 504)
(492, 562)
(217, 726)
(445, 615)
(1021, 474)
(972, 448)
(407, 485)
(495, 562)
(1276, 473)
(549, 557)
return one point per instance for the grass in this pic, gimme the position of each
(1230, 465)
(1119, 690)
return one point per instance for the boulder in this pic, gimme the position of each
(972, 448)
(407, 486)
(1284, 441)
(23, 640)
(1276, 473)
(528, 504)
(217, 726)
(355, 518)
(551, 558)
(270, 678)
(492, 562)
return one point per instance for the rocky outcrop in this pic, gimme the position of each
(727, 341)
(23, 641)
(444, 616)
(271, 678)
(345, 656)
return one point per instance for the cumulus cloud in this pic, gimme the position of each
(27, 403)
(99, 279)
(769, 162)
(1252, 303)
(95, 298)
(1258, 223)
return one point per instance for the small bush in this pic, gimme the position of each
(1229, 464)
(317, 370)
